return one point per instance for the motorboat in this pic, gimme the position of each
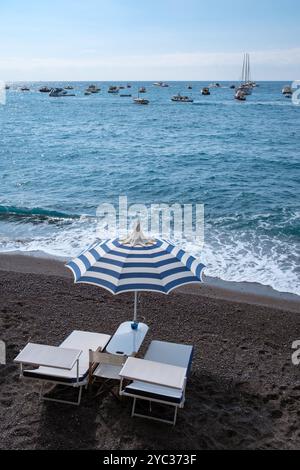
(141, 101)
(25, 88)
(125, 95)
(161, 84)
(93, 89)
(69, 87)
(142, 90)
(182, 99)
(128, 85)
(240, 95)
(232, 87)
(205, 91)
(246, 88)
(287, 91)
(7, 87)
(113, 90)
(190, 87)
(59, 92)
(215, 85)
(45, 89)
(121, 87)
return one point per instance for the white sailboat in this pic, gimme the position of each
(246, 84)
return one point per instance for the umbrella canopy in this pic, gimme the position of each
(136, 264)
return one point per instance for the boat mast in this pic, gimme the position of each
(243, 70)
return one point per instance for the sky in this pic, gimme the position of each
(148, 40)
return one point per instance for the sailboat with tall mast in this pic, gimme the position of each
(246, 84)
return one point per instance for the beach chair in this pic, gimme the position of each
(106, 368)
(160, 377)
(66, 365)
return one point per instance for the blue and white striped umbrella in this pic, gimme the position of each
(136, 265)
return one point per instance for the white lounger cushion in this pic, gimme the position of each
(168, 353)
(179, 355)
(81, 340)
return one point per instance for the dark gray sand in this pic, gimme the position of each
(244, 392)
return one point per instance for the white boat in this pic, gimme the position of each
(142, 90)
(59, 92)
(140, 101)
(247, 84)
(182, 99)
(113, 90)
(240, 95)
(161, 84)
(93, 89)
(287, 90)
(205, 91)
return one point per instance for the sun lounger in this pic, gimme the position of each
(160, 377)
(67, 364)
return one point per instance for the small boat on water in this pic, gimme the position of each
(287, 91)
(113, 90)
(190, 87)
(232, 87)
(128, 85)
(93, 89)
(240, 95)
(45, 89)
(182, 99)
(25, 88)
(161, 84)
(125, 95)
(141, 101)
(142, 90)
(59, 92)
(215, 85)
(7, 87)
(69, 87)
(205, 91)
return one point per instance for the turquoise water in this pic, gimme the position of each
(61, 158)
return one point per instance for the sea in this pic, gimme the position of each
(60, 158)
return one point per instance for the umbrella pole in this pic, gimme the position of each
(135, 306)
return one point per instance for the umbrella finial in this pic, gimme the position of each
(137, 237)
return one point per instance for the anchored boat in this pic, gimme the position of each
(114, 90)
(205, 91)
(240, 95)
(59, 92)
(182, 99)
(45, 89)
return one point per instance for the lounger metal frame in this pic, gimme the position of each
(78, 384)
(123, 392)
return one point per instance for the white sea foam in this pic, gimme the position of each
(230, 256)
